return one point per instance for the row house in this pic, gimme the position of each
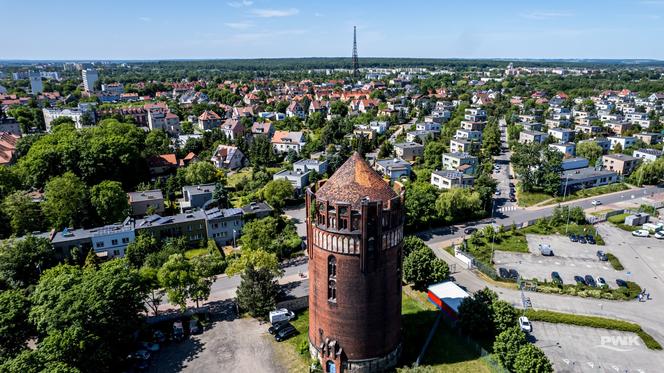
(647, 155)
(451, 179)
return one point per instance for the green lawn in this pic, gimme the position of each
(236, 178)
(590, 192)
(447, 352)
(507, 241)
(189, 254)
(619, 220)
(585, 229)
(526, 199)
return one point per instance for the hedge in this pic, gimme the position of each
(615, 263)
(594, 322)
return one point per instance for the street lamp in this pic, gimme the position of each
(564, 196)
(493, 237)
(234, 238)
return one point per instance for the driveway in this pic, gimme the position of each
(230, 345)
(581, 349)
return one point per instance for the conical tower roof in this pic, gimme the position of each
(354, 181)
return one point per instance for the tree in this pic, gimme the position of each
(109, 201)
(156, 142)
(617, 148)
(14, 326)
(504, 315)
(421, 205)
(276, 192)
(423, 268)
(507, 345)
(531, 359)
(457, 203)
(339, 108)
(257, 291)
(65, 201)
(476, 314)
(491, 138)
(590, 150)
(61, 120)
(649, 173)
(88, 316)
(220, 196)
(412, 243)
(176, 276)
(25, 216)
(256, 259)
(386, 149)
(203, 271)
(274, 235)
(22, 261)
(138, 250)
(155, 294)
(200, 173)
(9, 181)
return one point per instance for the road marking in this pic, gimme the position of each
(591, 364)
(566, 361)
(615, 368)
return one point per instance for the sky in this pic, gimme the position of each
(201, 29)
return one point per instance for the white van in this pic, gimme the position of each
(281, 314)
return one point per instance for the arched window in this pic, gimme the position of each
(332, 267)
(332, 291)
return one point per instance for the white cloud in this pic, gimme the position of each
(238, 25)
(545, 15)
(318, 14)
(269, 13)
(145, 19)
(240, 4)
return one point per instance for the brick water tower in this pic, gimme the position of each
(355, 236)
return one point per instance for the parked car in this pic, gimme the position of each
(659, 235)
(153, 347)
(285, 333)
(579, 280)
(621, 283)
(601, 282)
(641, 233)
(596, 202)
(591, 239)
(590, 281)
(573, 238)
(178, 331)
(525, 324)
(503, 272)
(581, 239)
(469, 230)
(512, 199)
(545, 249)
(601, 255)
(142, 355)
(555, 277)
(281, 315)
(497, 193)
(511, 185)
(514, 274)
(194, 327)
(274, 329)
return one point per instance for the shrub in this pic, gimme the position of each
(615, 263)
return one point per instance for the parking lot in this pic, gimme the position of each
(230, 345)
(570, 259)
(581, 349)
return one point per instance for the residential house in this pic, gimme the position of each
(423, 136)
(295, 110)
(463, 162)
(565, 148)
(233, 129)
(650, 138)
(588, 129)
(162, 164)
(408, 150)
(10, 125)
(306, 165)
(451, 179)
(298, 179)
(208, 120)
(625, 142)
(265, 129)
(190, 225)
(531, 126)
(468, 134)
(8, 143)
(146, 202)
(472, 126)
(395, 168)
(111, 241)
(195, 196)
(603, 143)
(464, 146)
(475, 115)
(428, 126)
(224, 226)
(619, 128)
(379, 127)
(529, 137)
(621, 163)
(160, 118)
(228, 157)
(562, 134)
(648, 155)
(284, 141)
(256, 210)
